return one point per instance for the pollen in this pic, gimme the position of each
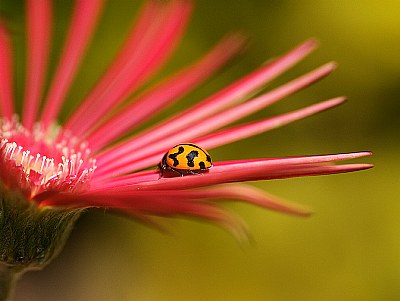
(45, 160)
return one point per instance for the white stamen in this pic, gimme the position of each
(24, 155)
(36, 161)
(13, 147)
(42, 165)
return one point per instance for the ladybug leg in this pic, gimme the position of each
(162, 167)
(177, 171)
(193, 172)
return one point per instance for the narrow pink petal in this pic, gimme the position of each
(144, 24)
(166, 93)
(299, 160)
(248, 194)
(6, 74)
(227, 97)
(253, 128)
(246, 173)
(85, 16)
(145, 201)
(291, 161)
(133, 160)
(39, 26)
(160, 45)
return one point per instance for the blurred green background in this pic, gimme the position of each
(349, 250)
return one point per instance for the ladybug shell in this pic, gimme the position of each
(187, 156)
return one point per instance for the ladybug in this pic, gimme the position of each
(186, 158)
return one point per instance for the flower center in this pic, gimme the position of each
(43, 160)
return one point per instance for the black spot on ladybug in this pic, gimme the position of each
(174, 155)
(202, 165)
(208, 158)
(190, 157)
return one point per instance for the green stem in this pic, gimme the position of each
(8, 277)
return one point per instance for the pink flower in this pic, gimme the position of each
(83, 163)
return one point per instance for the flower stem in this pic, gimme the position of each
(8, 277)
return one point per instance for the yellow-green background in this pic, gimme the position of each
(349, 250)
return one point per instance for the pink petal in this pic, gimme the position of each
(39, 26)
(243, 173)
(166, 93)
(85, 16)
(134, 160)
(227, 97)
(6, 74)
(161, 41)
(243, 131)
(247, 194)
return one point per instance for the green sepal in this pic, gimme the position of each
(30, 236)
